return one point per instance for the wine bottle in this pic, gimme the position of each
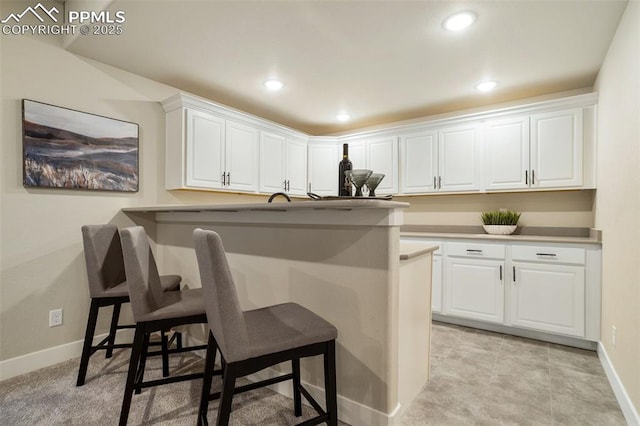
(344, 184)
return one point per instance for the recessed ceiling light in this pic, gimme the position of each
(486, 86)
(273, 84)
(459, 21)
(343, 116)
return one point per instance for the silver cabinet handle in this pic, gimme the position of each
(228, 178)
(224, 178)
(526, 177)
(500, 273)
(546, 254)
(284, 185)
(435, 186)
(474, 251)
(439, 182)
(533, 177)
(288, 185)
(514, 274)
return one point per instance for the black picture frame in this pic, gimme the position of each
(70, 149)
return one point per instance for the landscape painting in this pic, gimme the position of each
(64, 148)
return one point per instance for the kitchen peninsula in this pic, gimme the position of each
(339, 258)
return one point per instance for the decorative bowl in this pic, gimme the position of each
(373, 182)
(358, 177)
(499, 229)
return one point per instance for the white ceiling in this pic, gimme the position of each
(380, 61)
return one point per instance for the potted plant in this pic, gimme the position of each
(502, 222)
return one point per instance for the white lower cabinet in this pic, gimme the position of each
(548, 288)
(548, 297)
(474, 288)
(553, 288)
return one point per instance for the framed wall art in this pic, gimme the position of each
(64, 148)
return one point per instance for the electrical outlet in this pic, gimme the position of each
(55, 317)
(613, 336)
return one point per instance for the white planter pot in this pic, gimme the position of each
(499, 229)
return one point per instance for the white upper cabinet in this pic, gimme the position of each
(506, 147)
(538, 151)
(541, 146)
(283, 164)
(379, 155)
(444, 159)
(272, 162)
(296, 166)
(323, 168)
(556, 149)
(419, 162)
(458, 158)
(382, 157)
(357, 154)
(205, 146)
(241, 158)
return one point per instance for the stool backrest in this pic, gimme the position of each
(103, 258)
(224, 314)
(145, 290)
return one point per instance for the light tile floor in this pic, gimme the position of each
(484, 378)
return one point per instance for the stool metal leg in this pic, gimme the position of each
(330, 389)
(297, 397)
(136, 351)
(226, 396)
(114, 327)
(209, 365)
(164, 342)
(88, 340)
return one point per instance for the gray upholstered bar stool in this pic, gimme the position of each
(253, 340)
(153, 310)
(108, 287)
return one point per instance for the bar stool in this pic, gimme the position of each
(153, 310)
(108, 287)
(253, 340)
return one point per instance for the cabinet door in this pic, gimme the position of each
(357, 154)
(296, 166)
(419, 162)
(436, 284)
(507, 154)
(272, 162)
(548, 298)
(205, 150)
(323, 169)
(556, 149)
(382, 157)
(474, 289)
(242, 145)
(458, 158)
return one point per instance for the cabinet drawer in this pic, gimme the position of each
(549, 254)
(489, 251)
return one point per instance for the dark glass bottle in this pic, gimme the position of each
(344, 185)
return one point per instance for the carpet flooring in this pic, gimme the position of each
(477, 378)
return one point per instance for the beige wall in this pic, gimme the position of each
(41, 254)
(618, 199)
(551, 208)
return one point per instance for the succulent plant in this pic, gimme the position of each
(500, 217)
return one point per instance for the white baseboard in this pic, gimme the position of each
(626, 405)
(44, 358)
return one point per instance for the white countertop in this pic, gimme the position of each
(348, 204)
(507, 238)
(409, 250)
(340, 213)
